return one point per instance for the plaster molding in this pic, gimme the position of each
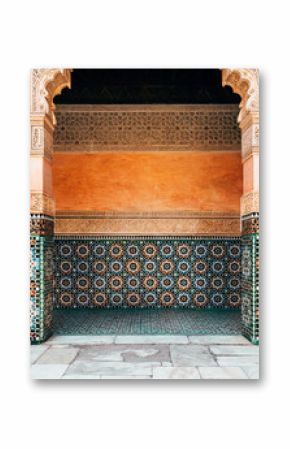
(40, 203)
(249, 203)
(250, 141)
(244, 82)
(45, 84)
(180, 214)
(41, 140)
(147, 226)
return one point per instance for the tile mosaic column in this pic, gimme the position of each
(245, 82)
(45, 84)
(250, 227)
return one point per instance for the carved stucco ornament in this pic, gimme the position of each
(244, 82)
(45, 85)
(249, 203)
(40, 203)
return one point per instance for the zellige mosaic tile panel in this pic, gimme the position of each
(41, 287)
(147, 272)
(250, 286)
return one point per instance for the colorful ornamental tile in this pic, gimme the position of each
(154, 272)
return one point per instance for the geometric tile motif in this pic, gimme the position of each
(250, 286)
(147, 272)
(147, 321)
(41, 287)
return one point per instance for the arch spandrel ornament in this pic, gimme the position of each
(244, 82)
(45, 84)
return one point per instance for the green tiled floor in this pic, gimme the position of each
(146, 322)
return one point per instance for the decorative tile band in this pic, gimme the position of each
(147, 271)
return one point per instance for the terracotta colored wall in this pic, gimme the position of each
(148, 181)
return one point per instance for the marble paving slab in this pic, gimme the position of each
(191, 355)
(221, 373)
(218, 340)
(234, 350)
(111, 368)
(53, 371)
(176, 373)
(131, 353)
(238, 361)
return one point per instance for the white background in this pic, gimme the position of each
(144, 34)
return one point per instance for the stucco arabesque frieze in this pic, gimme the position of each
(45, 85)
(244, 82)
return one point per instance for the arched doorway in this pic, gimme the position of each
(47, 84)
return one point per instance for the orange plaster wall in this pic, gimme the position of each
(148, 181)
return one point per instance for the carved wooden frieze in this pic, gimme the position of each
(139, 127)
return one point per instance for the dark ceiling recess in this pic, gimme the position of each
(146, 86)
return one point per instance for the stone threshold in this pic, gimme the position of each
(148, 339)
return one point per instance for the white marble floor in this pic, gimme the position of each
(145, 357)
